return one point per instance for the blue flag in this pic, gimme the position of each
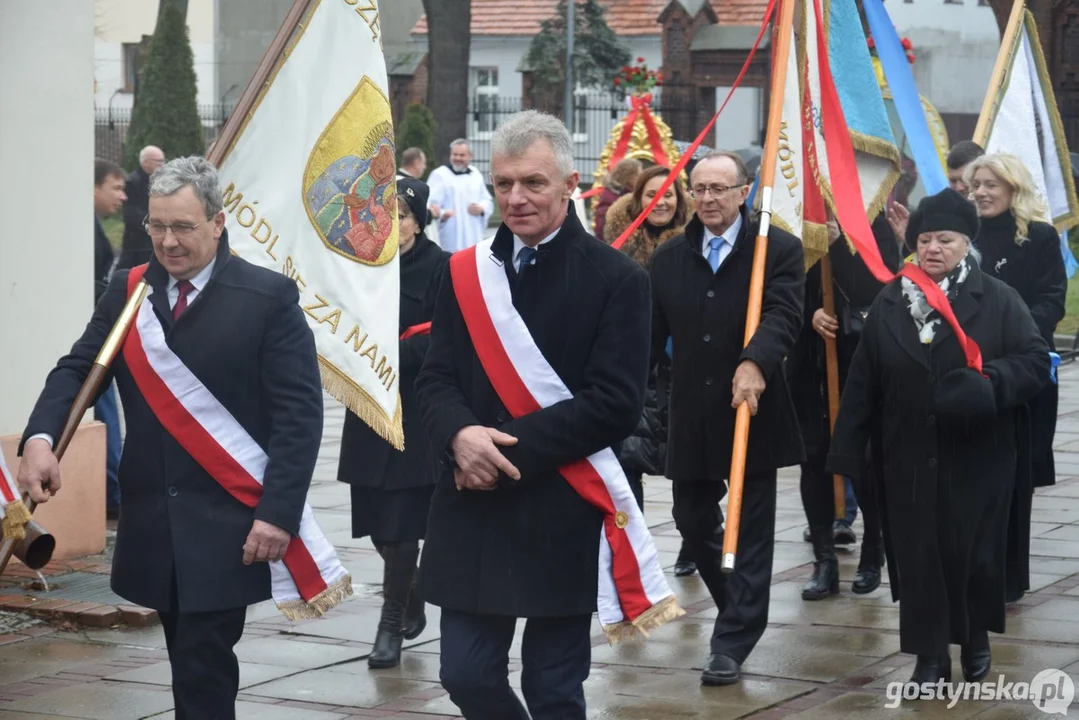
(908, 105)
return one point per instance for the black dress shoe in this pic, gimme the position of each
(867, 579)
(684, 569)
(931, 668)
(976, 658)
(843, 533)
(720, 670)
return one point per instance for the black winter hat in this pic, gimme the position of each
(415, 193)
(963, 397)
(947, 210)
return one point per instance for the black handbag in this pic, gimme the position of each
(851, 318)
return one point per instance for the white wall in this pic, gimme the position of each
(955, 47)
(125, 21)
(742, 120)
(46, 237)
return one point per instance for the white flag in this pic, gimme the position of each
(311, 192)
(1025, 122)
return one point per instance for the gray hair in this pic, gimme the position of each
(460, 141)
(194, 172)
(740, 168)
(523, 129)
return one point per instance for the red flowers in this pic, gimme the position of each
(638, 79)
(908, 46)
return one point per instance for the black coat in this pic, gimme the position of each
(137, 248)
(366, 459)
(103, 258)
(946, 488)
(245, 337)
(854, 290)
(530, 548)
(1036, 270)
(705, 315)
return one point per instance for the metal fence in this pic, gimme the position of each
(111, 125)
(595, 114)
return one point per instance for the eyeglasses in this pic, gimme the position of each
(715, 190)
(180, 231)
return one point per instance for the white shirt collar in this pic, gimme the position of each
(518, 244)
(200, 280)
(730, 235)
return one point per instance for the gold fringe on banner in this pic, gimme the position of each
(360, 402)
(659, 614)
(319, 605)
(16, 517)
(814, 242)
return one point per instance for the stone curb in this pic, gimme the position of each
(85, 614)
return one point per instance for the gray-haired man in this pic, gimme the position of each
(224, 330)
(508, 537)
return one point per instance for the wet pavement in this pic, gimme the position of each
(827, 659)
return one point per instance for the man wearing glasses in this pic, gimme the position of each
(221, 365)
(700, 292)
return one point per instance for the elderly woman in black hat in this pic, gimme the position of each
(948, 438)
(391, 490)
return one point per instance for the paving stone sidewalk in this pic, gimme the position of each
(829, 659)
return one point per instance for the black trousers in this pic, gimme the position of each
(818, 499)
(205, 672)
(555, 654)
(742, 596)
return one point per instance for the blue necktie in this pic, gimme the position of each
(526, 256)
(713, 253)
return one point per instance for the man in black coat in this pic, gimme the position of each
(108, 197)
(137, 248)
(185, 546)
(700, 290)
(508, 537)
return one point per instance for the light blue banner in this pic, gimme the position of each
(893, 59)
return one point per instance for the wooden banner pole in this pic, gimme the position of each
(227, 136)
(756, 284)
(1000, 69)
(831, 365)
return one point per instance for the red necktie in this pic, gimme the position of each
(185, 287)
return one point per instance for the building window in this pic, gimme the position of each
(484, 82)
(130, 65)
(580, 117)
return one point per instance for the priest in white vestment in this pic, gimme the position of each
(459, 200)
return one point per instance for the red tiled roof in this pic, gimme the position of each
(626, 17)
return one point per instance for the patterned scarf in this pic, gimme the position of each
(926, 319)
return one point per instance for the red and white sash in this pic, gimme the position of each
(13, 513)
(311, 579)
(634, 596)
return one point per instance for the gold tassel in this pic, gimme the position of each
(356, 399)
(319, 605)
(659, 614)
(16, 517)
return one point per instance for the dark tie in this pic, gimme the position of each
(185, 287)
(526, 256)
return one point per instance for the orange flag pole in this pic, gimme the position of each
(756, 283)
(831, 363)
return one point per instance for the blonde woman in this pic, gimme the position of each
(1021, 248)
